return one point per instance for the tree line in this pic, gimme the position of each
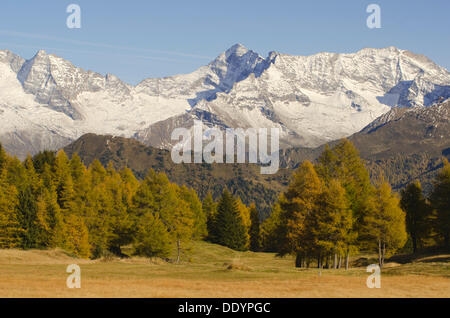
(332, 210)
(329, 211)
(49, 201)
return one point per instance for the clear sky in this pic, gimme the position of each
(136, 39)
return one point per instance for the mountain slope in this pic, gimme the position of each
(403, 145)
(46, 102)
(244, 180)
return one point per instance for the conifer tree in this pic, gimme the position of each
(17, 174)
(77, 168)
(27, 217)
(299, 201)
(255, 232)
(244, 211)
(270, 230)
(200, 219)
(76, 238)
(10, 231)
(210, 210)
(384, 225)
(43, 158)
(152, 238)
(130, 186)
(330, 226)
(231, 231)
(157, 195)
(344, 164)
(3, 158)
(417, 213)
(97, 172)
(49, 220)
(120, 223)
(440, 200)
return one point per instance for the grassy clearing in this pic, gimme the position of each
(213, 271)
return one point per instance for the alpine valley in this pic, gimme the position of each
(46, 103)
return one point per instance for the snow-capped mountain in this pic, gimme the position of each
(46, 102)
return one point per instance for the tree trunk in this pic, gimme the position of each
(384, 253)
(414, 241)
(379, 254)
(298, 260)
(340, 261)
(178, 250)
(347, 257)
(335, 260)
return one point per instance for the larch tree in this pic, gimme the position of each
(344, 164)
(331, 225)
(152, 238)
(200, 219)
(297, 203)
(10, 230)
(384, 225)
(270, 230)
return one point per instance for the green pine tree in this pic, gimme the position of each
(440, 200)
(417, 214)
(231, 231)
(255, 231)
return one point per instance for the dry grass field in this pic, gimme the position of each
(212, 271)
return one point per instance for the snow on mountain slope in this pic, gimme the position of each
(46, 102)
(326, 96)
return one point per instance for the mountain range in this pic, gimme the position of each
(403, 145)
(47, 103)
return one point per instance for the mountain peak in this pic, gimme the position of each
(40, 53)
(237, 49)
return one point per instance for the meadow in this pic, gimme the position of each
(209, 270)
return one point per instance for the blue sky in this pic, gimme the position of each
(137, 39)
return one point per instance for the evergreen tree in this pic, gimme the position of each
(10, 231)
(210, 210)
(440, 200)
(231, 231)
(27, 217)
(417, 213)
(255, 232)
